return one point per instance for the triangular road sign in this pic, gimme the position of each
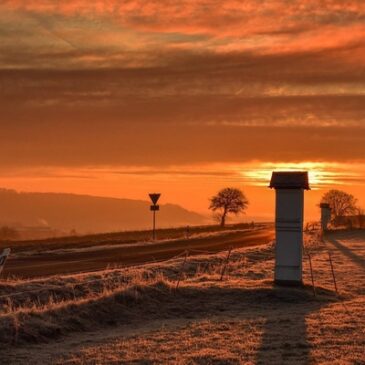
(154, 198)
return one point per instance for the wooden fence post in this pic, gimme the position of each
(333, 272)
(226, 263)
(311, 269)
(181, 270)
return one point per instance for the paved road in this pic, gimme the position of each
(67, 262)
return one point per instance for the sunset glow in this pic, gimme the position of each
(182, 182)
(321, 175)
(189, 185)
(118, 98)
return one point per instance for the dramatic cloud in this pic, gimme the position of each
(136, 33)
(160, 144)
(154, 85)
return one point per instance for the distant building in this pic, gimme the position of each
(30, 232)
(350, 221)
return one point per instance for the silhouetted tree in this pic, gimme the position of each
(341, 203)
(228, 200)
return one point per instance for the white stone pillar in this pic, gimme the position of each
(289, 187)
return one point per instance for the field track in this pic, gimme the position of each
(55, 262)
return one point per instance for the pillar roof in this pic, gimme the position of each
(289, 180)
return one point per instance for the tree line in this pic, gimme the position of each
(344, 206)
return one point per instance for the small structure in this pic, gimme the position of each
(325, 216)
(289, 186)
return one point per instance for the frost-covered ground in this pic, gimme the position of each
(137, 316)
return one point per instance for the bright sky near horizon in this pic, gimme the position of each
(120, 98)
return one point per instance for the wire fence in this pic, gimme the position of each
(184, 254)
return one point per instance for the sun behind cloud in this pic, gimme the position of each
(321, 174)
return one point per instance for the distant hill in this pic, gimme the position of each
(86, 214)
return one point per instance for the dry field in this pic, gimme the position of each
(31, 259)
(135, 315)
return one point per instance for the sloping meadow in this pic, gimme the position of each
(40, 310)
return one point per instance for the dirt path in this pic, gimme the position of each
(59, 262)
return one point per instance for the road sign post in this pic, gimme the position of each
(154, 208)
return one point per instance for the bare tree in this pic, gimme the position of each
(228, 200)
(341, 203)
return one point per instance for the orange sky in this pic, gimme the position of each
(120, 98)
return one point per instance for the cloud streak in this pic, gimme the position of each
(144, 30)
(165, 82)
